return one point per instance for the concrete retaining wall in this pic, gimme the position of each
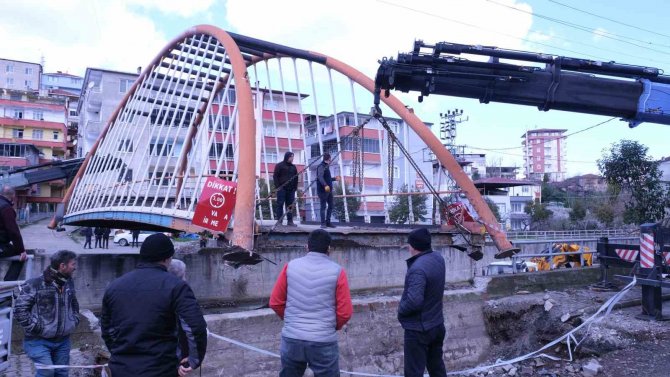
(371, 262)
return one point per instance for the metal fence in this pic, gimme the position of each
(572, 234)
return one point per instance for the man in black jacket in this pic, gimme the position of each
(285, 178)
(324, 188)
(420, 308)
(11, 241)
(139, 318)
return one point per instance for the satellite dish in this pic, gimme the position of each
(91, 85)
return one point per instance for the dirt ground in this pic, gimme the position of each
(618, 345)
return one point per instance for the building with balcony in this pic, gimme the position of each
(322, 135)
(61, 82)
(20, 75)
(102, 91)
(544, 153)
(33, 131)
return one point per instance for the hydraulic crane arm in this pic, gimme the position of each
(634, 93)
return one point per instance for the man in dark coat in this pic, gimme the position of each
(11, 242)
(139, 318)
(420, 308)
(106, 232)
(324, 188)
(88, 233)
(98, 236)
(285, 178)
(136, 238)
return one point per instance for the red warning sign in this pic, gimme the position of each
(216, 203)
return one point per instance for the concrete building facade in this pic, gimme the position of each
(378, 171)
(33, 131)
(62, 81)
(102, 91)
(19, 75)
(545, 153)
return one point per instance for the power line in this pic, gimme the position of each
(497, 32)
(555, 138)
(520, 155)
(609, 19)
(589, 30)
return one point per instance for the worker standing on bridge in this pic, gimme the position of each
(48, 310)
(11, 241)
(139, 317)
(285, 178)
(324, 188)
(312, 296)
(420, 308)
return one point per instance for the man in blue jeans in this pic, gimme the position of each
(312, 297)
(48, 310)
(420, 307)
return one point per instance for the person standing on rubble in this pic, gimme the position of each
(420, 310)
(312, 296)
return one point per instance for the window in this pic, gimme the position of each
(12, 150)
(74, 81)
(396, 172)
(223, 122)
(10, 81)
(73, 113)
(18, 114)
(17, 133)
(269, 157)
(517, 207)
(56, 135)
(29, 71)
(547, 166)
(126, 175)
(310, 131)
(525, 189)
(38, 115)
(124, 145)
(124, 85)
(15, 96)
(9, 68)
(171, 117)
(28, 83)
(159, 149)
(38, 134)
(369, 145)
(269, 130)
(217, 148)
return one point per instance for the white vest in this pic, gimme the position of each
(310, 304)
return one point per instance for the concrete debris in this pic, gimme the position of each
(548, 305)
(539, 363)
(523, 292)
(592, 368)
(507, 368)
(512, 372)
(546, 297)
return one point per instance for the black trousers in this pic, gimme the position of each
(98, 241)
(88, 242)
(423, 349)
(15, 266)
(285, 197)
(326, 199)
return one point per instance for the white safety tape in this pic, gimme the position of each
(569, 337)
(103, 372)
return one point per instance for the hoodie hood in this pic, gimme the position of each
(287, 155)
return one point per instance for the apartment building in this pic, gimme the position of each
(322, 135)
(33, 131)
(19, 75)
(545, 153)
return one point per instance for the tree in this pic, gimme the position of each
(539, 214)
(353, 203)
(399, 212)
(266, 206)
(494, 208)
(605, 213)
(577, 212)
(634, 175)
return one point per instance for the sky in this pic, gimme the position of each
(70, 35)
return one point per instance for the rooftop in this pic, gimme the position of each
(530, 132)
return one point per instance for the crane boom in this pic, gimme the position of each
(634, 93)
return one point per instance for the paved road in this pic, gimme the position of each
(38, 236)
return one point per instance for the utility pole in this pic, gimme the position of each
(448, 124)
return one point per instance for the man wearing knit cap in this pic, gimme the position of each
(420, 308)
(312, 296)
(139, 317)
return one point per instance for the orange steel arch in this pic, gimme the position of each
(244, 208)
(243, 215)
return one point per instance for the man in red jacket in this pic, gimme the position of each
(312, 297)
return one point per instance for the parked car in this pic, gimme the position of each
(505, 267)
(125, 237)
